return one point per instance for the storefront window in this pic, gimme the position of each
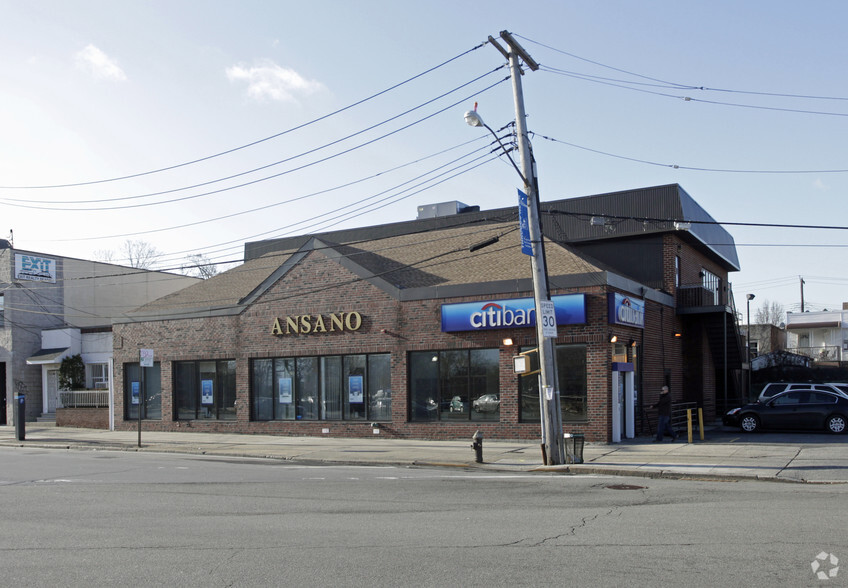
(205, 390)
(306, 386)
(379, 383)
(349, 387)
(142, 391)
(571, 372)
(354, 383)
(455, 385)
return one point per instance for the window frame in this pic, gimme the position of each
(444, 386)
(150, 391)
(529, 410)
(325, 388)
(222, 379)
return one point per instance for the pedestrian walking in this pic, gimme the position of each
(663, 406)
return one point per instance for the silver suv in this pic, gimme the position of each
(773, 388)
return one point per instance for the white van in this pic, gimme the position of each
(773, 388)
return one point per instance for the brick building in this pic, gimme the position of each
(409, 329)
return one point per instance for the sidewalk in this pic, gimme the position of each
(724, 456)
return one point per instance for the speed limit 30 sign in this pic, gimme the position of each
(548, 318)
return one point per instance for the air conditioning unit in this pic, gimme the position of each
(101, 385)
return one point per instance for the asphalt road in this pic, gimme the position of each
(142, 519)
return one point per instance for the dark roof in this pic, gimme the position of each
(431, 258)
(52, 355)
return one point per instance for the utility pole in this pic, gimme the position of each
(802, 293)
(552, 436)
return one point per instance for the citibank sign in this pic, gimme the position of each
(624, 310)
(570, 309)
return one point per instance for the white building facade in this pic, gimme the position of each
(52, 307)
(821, 336)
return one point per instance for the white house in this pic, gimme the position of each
(821, 335)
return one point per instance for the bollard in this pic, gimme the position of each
(477, 445)
(20, 417)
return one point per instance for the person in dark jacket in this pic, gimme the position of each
(663, 407)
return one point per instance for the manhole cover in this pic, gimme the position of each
(626, 487)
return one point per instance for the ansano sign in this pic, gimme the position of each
(570, 309)
(304, 324)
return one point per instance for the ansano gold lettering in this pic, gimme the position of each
(316, 323)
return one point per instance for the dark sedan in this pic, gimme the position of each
(797, 409)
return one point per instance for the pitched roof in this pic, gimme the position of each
(432, 264)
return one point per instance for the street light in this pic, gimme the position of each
(750, 297)
(552, 436)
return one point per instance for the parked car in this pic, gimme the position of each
(457, 405)
(772, 388)
(487, 403)
(808, 409)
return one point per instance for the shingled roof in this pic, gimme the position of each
(432, 264)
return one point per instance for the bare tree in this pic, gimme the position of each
(200, 266)
(138, 254)
(104, 255)
(770, 313)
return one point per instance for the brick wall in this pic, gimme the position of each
(86, 418)
(388, 326)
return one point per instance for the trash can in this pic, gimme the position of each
(20, 417)
(574, 447)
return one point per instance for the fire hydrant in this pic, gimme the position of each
(477, 446)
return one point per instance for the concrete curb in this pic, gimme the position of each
(812, 463)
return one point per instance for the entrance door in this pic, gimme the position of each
(52, 390)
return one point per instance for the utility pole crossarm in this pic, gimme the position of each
(519, 50)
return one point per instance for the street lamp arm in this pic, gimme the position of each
(473, 119)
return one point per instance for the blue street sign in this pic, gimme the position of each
(524, 224)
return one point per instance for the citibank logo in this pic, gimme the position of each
(624, 310)
(493, 315)
(628, 314)
(511, 313)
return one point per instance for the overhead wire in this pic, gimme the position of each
(16, 202)
(233, 176)
(200, 222)
(680, 85)
(308, 289)
(252, 143)
(692, 168)
(627, 86)
(698, 222)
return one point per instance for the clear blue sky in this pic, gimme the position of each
(94, 90)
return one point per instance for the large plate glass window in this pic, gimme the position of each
(571, 371)
(454, 385)
(142, 391)
(337, 387)
(205, 390)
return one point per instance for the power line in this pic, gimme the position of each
(422, 263)
(253, 143)
(684, 86)
(11, 201)
(627, 86)
(239, 241)
(696, 222)
(171, 228)
(690, 168)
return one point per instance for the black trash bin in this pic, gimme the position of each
(20, 417)
(574, 447)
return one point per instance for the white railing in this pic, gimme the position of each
(83, 398)
(819, 353)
